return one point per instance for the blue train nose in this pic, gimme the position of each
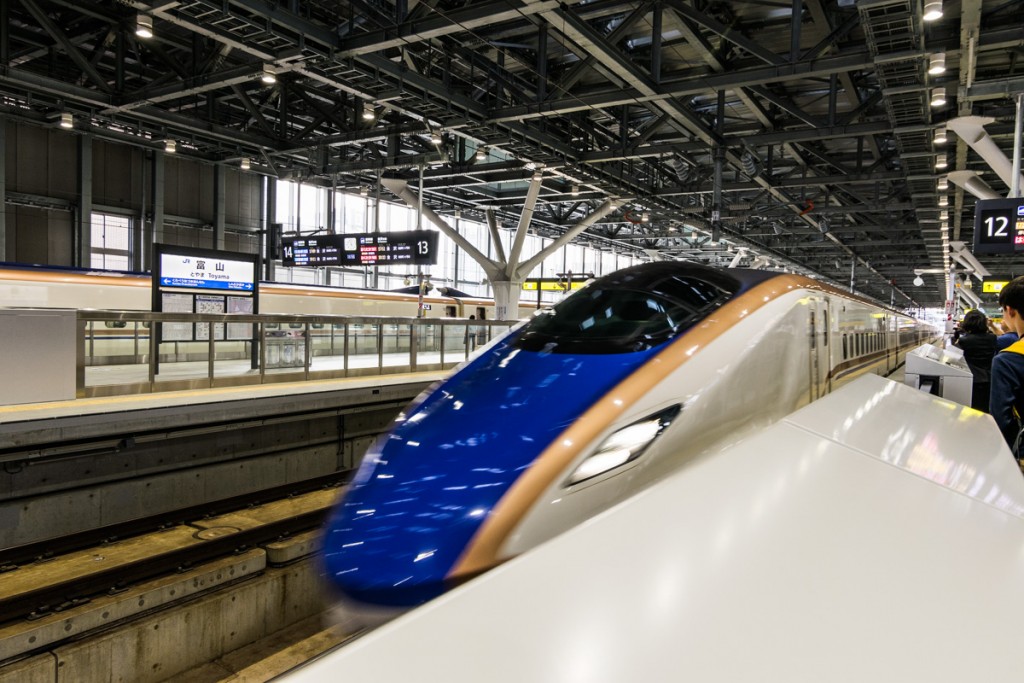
(424, 491)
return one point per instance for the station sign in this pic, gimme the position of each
(551, 285)
(999, 226)
(993, 286)
(206, 272)
(414, 247)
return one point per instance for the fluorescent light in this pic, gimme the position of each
(938, 96)
(67, 120)
(244, 163)
(937, 63)
(144, 26)
(932, 10)
(170, 146)
(268, 76)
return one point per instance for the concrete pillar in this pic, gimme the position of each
(269, 212)
(156, 225)
(4, 256)
(83, 231)
(506, 299)
(219, 205)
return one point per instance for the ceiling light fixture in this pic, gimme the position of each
(170, 146)
(481, 153)
(575, 190)
(940, 161)
(368, 113)
(268, 76)
(938, 96)
(435, 137)
(67, 120)
(943, 184)
(918, 281)
(244, 163)
(144, 26)
(364, 191)
(943, 215)
(943, 200)
(940, 135)
(645, 217)
(932, 10)
(937, 63)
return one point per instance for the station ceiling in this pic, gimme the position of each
(806, 127)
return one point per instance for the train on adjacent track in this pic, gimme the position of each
(49, 287)
(644, 372)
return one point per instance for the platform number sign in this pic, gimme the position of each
(999, 226)
(414, 247)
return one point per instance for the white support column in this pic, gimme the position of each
(600, 212)
(524, 219)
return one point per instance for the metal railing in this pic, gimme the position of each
(118, 354)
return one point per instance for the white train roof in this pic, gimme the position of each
(875, 535)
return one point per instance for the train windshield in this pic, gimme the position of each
(628, 311)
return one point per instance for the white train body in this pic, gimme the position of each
(530, 423)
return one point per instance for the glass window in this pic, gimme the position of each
(110, 242)
(628, 311)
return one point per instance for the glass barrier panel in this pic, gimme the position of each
(397, 345)
(428, 343)
(285, 350)
(363, 346)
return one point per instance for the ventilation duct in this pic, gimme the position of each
(970, 181)
(971, 130)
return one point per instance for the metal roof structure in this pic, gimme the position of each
(803, 131)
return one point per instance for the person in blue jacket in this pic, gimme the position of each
(1006, 401)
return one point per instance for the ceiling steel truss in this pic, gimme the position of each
(802, 131)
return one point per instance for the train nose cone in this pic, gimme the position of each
(425, 490)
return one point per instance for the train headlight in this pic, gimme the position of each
(623, 446)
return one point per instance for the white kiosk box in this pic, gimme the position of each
(942, 372)
(38, 358)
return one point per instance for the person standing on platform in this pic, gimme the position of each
(979, 346)
(1007, 392)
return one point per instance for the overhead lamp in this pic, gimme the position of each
(575, 190)
(940, 136)
(943, 184)
(937, 63)
(943, 200)
(645, 217)
(481, 153)
(364, 191)
(67, 120)
(943, 215)
(938, 96)
(268, 76)
(941, 161)
(368, 113)
(144, 26)
(170, 146)
(932, 10)
(435, 137)
(244, 163)
(918, 281)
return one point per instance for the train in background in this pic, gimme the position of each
(50, 287)
(644, 372)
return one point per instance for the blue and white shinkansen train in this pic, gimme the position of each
(642, 373)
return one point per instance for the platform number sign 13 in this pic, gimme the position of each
(999, 226)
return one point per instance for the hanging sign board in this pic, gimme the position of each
(187, 271)
(999, 226)
(413, 247)
(550, 285)
(993, 286)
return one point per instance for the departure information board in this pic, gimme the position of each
(999, 226)
(415, 247)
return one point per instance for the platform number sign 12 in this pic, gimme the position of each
(999, 226)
